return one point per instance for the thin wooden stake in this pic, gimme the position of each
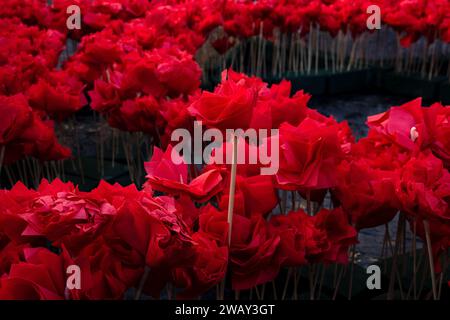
(2, 156)
(232, 187)
(142, 283)
(430, 257)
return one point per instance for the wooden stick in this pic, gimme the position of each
(77, 141)
(296, 279)
(350, 286)
(324, 268)
(308, 202)
(424, 272)
(390, 294)
(9, 174)
(274, 289)
(414, 244)
(338, 283)
(284, 201)
(311, 272)
(430, 257)
(2, 156)
(19, 170)
(142, 283)
(288, 277)
(310, 38)
(445, 263)
(231, 199)
(293, 200)
(232, 187)
(317, 42)
(263, 291)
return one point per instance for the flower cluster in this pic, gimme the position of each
(175, 230)
(124, 42)
(413, 19)
(33, 91)
(135, 63)
(113, 233)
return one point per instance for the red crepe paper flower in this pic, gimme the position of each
(249, 192)
(109, 267)
(106, 95)
(309, 155)
(230, 106)
(275, 106)
(138, 115)
(141, 77)
(291, 230)
(153, 227)
(324, 237)
(207, 269)
(166, 176)
(54, 216)
(439, 119)
(214, 223)
(10, 253)
(367, 195)
(161, 72)
(339, 234)
(406, 125)
(115, 194)
(24, 133)
(380, 152)
(424, 192)
(15, 117)
(65, 216)
(13, 201)
(177, 71)
(424, 188)
(59, 96)
(100, 49)
(40, 277)
(253, 252)
(176, 115)
(248, 156)
(39, 141)
(284, 108)
(30, 12)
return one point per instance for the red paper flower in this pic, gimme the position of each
(207, 269)
(15, 117)
(60, 95)
(424, 188)
(109, 267)
(253, 252)
(249, 192)
(40, 277)
(309, 155)
(153, 227)
(291, 230)
(166, 176)
(367, 195)
(404, 125)
(230, 106)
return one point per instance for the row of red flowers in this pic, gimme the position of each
(134, 54)
(190, 22)
(115, 233)
(140, 73)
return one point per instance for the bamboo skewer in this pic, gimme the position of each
(430, 257)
